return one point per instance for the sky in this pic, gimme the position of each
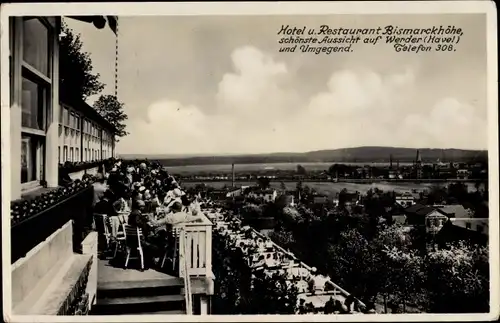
(218, 84)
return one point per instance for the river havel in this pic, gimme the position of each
(412, 48)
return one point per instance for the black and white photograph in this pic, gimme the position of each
(281, 161)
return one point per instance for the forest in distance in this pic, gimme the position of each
(347, 155)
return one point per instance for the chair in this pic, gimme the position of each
(174, 234)
(120, 239)
(102, 227)
(133, 243)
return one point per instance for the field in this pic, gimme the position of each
(331, 189)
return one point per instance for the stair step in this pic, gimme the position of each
(174, 312)
(140, 300)
(139, 292)
(150, 283)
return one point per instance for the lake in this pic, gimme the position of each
(331, 189)
(226, 168)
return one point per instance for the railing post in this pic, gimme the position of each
(208, 251)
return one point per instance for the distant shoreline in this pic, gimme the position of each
(356, 181)
(367, 155)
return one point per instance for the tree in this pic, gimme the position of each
(112, 110)
(457, 192)
(264, 182)
(437, 195)
(76, 80)
(299, 187)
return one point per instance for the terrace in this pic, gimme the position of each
(56, 268)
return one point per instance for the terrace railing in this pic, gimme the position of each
(26, 234)
(195, 249)
(187, 281)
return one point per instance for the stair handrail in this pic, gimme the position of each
(187, 281)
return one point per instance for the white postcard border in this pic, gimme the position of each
(259, 8)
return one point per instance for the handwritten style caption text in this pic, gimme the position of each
(327, 40)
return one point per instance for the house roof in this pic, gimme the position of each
(88, 112)
(462, 222)
(405, 194)
(396, 209)
(400, 219)
(455, 210)
(415, 195)
(419, 209)
(99, 21)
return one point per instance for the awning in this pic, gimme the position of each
(99, 21)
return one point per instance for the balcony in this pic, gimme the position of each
(195, 249)
(55, 264)
(30, 229)
(49, 271)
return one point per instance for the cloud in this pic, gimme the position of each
(257, 110)
(254, 89)
(449, 124)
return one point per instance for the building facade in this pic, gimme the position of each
(44, 132)
(83, 134)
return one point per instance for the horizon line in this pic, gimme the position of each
(190, 155)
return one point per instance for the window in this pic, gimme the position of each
(36, 45)
(71, 154)
(33, 105)
(77, 126)
(77, 155)
(85, 155)
(11, 62)
(59, 154)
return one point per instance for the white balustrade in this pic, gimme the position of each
(195, 248)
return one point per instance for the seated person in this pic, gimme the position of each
(177, 217)
(136, 217)
(151, 251)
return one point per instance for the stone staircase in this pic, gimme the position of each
(149, 297)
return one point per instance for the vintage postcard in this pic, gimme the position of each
(281, 161)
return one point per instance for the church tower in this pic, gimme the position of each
(418, 165)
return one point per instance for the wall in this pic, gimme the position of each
(15, 112)
(27, 272)
(79, 174)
